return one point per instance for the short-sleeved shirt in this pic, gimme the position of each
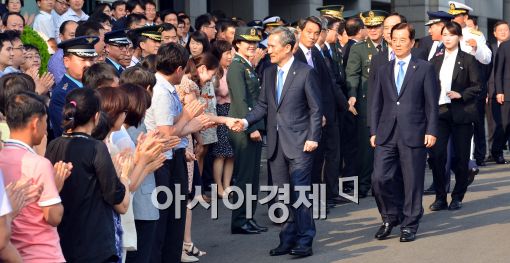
(33, 237)
(89, 195)
(5, 206)
(71, 15)
(43, 23)
(164, 110)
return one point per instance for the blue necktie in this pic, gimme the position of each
(400, 76)
(279, 86)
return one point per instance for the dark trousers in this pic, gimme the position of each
(348, 146)
(145, 237)
(479, 129)
(461, 141)
(299, 229)
(246, 172)
(496, 135)
(397, 181)
(170, 229)
(505, 120)
(365, 155)
(327, 160)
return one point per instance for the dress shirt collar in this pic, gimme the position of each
(406, 60)
(115, 64)
(44, 13)
(451, 54)
(245, 59)
(78, 83)
(164, 83)
(305, 49)
(287, 65)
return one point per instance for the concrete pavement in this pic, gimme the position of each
(479, 232)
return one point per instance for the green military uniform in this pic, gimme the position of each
(357, 72)
(244, 88)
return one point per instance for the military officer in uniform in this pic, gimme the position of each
(118, 50)
(79, 54)
(357, 72)
(244, 89)
(473, 41)
(148, 39)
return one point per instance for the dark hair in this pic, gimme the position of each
(205, 59)
(474, 19)
(118, 3)
(201, 37)
(452, 27)
(168, 27)
(180, 21)
(150, 2)
(500, 22)
(29, 47)
(183, 16)
(139, 100)
(113, 102)
(134, 18)
(331, 21)
(138, 76)
(62, 28)
(403, 19)
(88, 28)
(341, 27)
(100, 18)
(7, 15)
(219, 47)
(170, 57)
(166, 12)
(406, 26)
(81, 105)
(203, 20)
(12, 35)
(149, 63)
(14, 83)
(21, 107)
(100, 8)
(353, 26)
(311, 19)
(131, 5)
(223, 25)
(20, 1)
(3, 38)
(99, 75)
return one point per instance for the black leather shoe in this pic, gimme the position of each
(430, 191)
(245, 229)
(280, 250)
(384, 231)
(481, 163)
(438, 205)
(407, 235)
(471, 175)
(499, 159)
(258, 227)
(455, 205)
(301, 251)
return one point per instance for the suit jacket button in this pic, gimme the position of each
(249, 108)
(398, 102)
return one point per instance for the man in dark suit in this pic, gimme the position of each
(117, 47)
(333, 101)
(496, 136)
(404, 122)
(291, 102)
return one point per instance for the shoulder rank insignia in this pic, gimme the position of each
(475, 32)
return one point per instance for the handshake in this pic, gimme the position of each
(234, 124)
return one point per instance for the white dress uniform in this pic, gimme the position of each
(482, 53)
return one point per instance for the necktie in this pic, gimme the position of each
(439, 48)
(279, 86)
(392, 55)
(400, 76)
(309, 58)
(379, 48)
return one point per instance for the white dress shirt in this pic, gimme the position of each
(43, 23)
(433, 49)
(307, 52)
(446, 74)
(397, 67)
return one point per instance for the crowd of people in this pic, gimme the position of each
(133, 99)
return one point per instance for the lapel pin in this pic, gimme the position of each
(414, 67)
(294, 72)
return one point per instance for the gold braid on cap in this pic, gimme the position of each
(338, 14)
(454, 11)
(371, 19)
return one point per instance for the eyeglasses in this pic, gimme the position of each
(123, 47)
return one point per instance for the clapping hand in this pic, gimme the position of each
(193, 109)
(62, 172)
(16, 192)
